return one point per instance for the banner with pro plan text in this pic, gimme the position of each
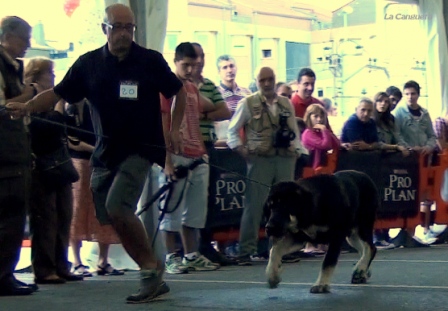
(396, 177)
(226, 189)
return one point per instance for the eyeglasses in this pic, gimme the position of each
(118, 27)
(286, 95)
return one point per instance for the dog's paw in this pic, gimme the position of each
(274, 281)
(320, 289)
(360, 277)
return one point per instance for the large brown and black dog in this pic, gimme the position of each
(324, 209)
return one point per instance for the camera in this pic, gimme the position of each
(283, 136)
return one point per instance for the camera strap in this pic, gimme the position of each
(280, 109)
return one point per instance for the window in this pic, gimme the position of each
(267, 53)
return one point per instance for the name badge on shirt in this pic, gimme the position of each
(129, 90)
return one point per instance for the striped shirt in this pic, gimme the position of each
(232, 97)
(209, 90)
(441, 129)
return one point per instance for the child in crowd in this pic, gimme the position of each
(318, 139)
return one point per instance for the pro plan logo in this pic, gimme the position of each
(401, 16)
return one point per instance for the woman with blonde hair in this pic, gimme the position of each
(51, 184)
(39, 72)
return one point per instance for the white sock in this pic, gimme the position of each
(191, 256)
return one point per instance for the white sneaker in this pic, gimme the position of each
(173, 265)
(437, 229)
(384, 245)
(430, 237)
(200, 263)
(257, 257)
(425, 240)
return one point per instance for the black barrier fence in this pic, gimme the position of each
(226, 188)
(396, 177)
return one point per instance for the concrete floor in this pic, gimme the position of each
(402, 279)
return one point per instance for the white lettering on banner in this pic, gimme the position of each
(229, 194)
(399, 189)
(230, 187)
(399, 181)
(225, 205)
(399, 195)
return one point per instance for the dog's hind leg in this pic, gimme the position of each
(367, 252)
(280, 247)
(322, 284)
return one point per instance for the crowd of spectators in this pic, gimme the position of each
(82, 183)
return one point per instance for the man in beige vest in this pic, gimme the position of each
(270, 147)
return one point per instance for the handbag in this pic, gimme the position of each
(56, 168)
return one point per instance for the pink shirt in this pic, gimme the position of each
(191, 143)
(319, 141)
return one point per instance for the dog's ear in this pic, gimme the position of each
(304, 200)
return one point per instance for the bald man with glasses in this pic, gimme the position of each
(122, 81)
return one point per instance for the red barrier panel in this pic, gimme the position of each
(442, 206)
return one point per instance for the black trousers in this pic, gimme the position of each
(13, 199)
(51, 210)
(206, 234)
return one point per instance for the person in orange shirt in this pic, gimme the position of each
(305, 88)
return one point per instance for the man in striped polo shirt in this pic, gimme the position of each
(230, 91)
(208, 92)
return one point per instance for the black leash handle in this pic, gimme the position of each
(168, 186)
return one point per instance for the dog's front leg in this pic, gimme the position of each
(322, 284)
(280, 246)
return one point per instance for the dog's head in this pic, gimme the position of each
(282, 209)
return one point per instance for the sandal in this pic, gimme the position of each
(82, 270)
(108, 270)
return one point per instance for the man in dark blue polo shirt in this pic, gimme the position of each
(122, 81)
(359, 132)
